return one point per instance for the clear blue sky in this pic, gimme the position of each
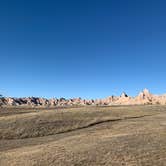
(86, 48)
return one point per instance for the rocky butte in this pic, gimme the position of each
(143, 98)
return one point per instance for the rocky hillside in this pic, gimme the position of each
(144, 97)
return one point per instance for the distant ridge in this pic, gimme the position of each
(143, 98)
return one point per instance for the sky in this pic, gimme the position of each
(85, 48)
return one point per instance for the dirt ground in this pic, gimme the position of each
(88, 136)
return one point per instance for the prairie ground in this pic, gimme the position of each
(88, 136)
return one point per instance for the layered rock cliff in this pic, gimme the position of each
(143, 98)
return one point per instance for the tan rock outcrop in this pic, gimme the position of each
(144, 97)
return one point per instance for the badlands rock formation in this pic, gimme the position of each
(144, 97)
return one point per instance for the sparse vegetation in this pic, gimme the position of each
(117, 135)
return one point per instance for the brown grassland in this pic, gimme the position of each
(88, 136)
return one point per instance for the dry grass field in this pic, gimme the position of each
(88, 136)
